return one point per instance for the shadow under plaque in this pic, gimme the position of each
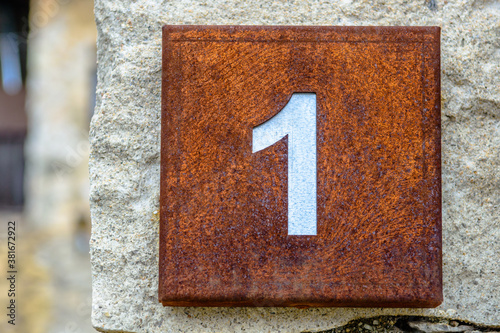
(300, 166)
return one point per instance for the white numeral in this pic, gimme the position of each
(298, 121)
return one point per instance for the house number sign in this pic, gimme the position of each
(300, 166)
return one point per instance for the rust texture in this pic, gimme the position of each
(223, 231)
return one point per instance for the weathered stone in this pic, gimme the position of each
(125, 159)
(368, 327)
(438, 327)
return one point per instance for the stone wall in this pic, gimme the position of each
(125, 157)
(54, 293)
(61, 67)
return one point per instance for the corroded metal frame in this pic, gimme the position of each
(223, 239)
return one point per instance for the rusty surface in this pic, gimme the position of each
(223, 232)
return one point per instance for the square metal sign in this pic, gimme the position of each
(300, 166)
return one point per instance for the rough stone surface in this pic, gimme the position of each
(125, 157)
(413, 324)
(438, 327)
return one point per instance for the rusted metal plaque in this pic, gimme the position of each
(261, 208)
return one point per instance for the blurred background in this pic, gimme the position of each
(47, 97)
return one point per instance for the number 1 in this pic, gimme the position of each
(298, 121)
